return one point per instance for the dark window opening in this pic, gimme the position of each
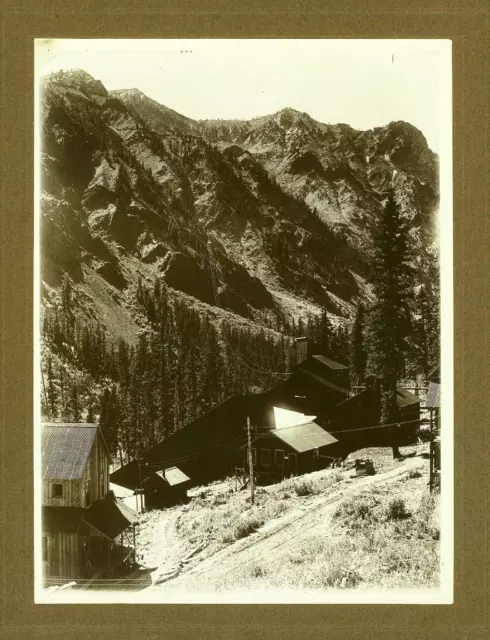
(279, 458)
(56, 490)
(265, 457)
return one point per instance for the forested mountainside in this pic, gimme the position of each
(181, 257)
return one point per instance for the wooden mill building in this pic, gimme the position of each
(354, 422)
(81, 519)
(211, 446)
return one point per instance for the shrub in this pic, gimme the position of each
(397, 509)
(258, 571)
(304, 488)
(241, 529)
(359, 511)
(227, 537)
(244, 528)
(414, 473)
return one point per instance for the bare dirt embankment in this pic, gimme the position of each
(320, 531)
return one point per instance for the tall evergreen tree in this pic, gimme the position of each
(75, 409)
(390, 323)
(358, 353)
(52, 394)
(66, 294)
(325, 333)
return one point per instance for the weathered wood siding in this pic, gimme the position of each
(98, 470)
(74, 491)
(64, 552)
(73, 494)
(64, 556)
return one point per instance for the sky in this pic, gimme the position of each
(363, 83)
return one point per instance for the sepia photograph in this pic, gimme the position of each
(244, 321)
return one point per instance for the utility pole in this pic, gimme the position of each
(431, 452)
(250, 463)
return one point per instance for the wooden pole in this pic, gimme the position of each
(431, 453)
(140, 487)
(250, 462)
(134, 543)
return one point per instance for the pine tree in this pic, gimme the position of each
(358, 354)
(75, 410)
(325, 333)
(66, 294)
(108, 420)
(390, 323)
(52, 395)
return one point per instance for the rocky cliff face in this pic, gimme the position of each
(266, 219)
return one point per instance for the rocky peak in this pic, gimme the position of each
(158, 116)
(79, 79)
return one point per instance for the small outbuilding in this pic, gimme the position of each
(165, 488)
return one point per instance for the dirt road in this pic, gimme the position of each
(314, 516)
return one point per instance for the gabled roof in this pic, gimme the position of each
(323, 381)
(65, 449)
(328, 362)
(304, 437)
(172, 477)
(405, 398)
(109, 516)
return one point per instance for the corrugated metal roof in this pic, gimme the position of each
(174, 476)
(65, 449)
(305, 437)
(433, 400)
(332, 364)
(109, 516)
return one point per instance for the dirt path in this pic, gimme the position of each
(159, 542)
(274, 538)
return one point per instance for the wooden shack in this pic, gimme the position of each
(75, 474)
(165, 488)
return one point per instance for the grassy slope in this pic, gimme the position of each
(381, 535)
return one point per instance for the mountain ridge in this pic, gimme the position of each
(172, 191)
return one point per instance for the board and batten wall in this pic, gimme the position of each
(63, 553)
